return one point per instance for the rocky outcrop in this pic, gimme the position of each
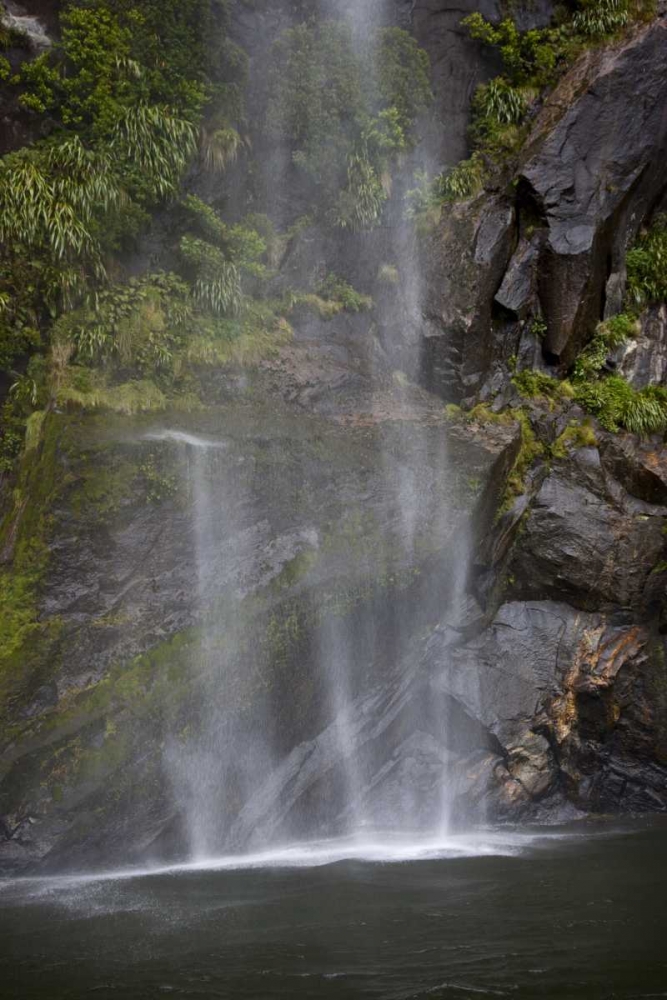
(594, 177)
(590, 175)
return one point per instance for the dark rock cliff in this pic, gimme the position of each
(547, 691)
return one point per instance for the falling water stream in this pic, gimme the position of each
(229, 775)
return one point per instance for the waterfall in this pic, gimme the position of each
(372, 763)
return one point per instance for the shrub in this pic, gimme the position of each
(403, 76)
(575, 435)
(616, 404)
(336, 289)
(598, 18)
(647, 265)
(499, 102)
(343, 124)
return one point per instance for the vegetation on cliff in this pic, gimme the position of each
(533, 60)
(131, 98)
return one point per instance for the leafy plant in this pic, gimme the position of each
(598, 18)
(343, 124)
(609, 335)
(608, 396)
(360, 204)
(616, 404)
(153, 147)
(647, 265)
(336, 289)
(403, 76)
(533, 383)
(219, 148)
(498, 101)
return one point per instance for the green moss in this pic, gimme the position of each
(576, 435)
(483, 414)
(27, 644)
(535, 384)
(296, 569)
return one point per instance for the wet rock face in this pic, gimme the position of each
(229, 551)
(587, 541)
(643, 361)
(464, 266)
(576, 702)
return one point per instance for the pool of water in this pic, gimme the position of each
(574, 913)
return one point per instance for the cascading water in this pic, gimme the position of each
(235, 781)
(16, 18)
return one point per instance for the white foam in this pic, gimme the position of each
(317, 854)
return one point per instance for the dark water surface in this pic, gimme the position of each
(577, 914)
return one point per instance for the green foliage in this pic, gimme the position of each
(499, 102)
(49, 197)
(576, 435)
(647, 265)
(388, 274)
(343, 125)
(219, 148)
(152, 147)
(609, 335)
(609, 397)
(403, 72)
(98, 393)
(242, 244)
(426, 201)
(532, 60)
(138, 325)
(336, 289)
(599, 18)
(114, 54)
(533, 384)
(528, 56)
(218, 257)
(125, 87)
(315, 94)
(360, 204)
(465, 180)
(256, 331)
(217, 281)
(616, 404)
